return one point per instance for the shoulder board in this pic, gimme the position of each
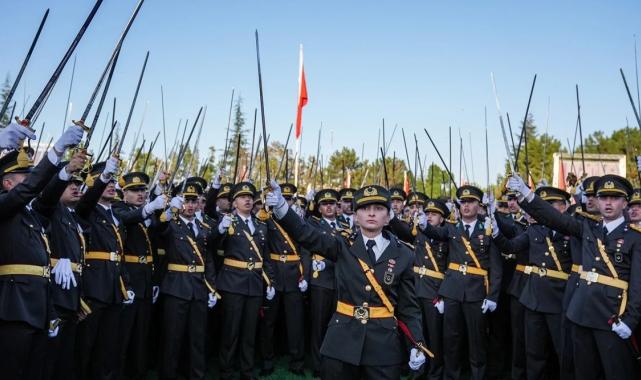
(205, 225)
(314, 217)
(408, 245)
(635, 227)
(588, 215)
(258, 221)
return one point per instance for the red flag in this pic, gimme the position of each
(302, 95)
(561, 178)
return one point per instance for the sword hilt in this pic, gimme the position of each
(25, 123)
(81, 124)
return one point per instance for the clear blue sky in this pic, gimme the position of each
(421, 64)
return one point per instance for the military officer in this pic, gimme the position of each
(606, 305)
(375, 290)
(290, 266)
(26, 311)
(323, 281)
(397, 195)
(546, 273)
(634, 207)
(243, 238)
(67, 254)
(188, 286)
(346, 219)
(105, 282)
(136, 217)
(471, 285)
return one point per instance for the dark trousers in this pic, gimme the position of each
(322, 307)
(433, 334)
(134, 334)
(240, 317)
(293, 307)
(183, 320)
(333, 369)
(97, 344)
(22, 351)
(602, 354)
(461, 319)
(517, 316)
(61, 349)
(567, 353)
(500, 343)
(543, 344)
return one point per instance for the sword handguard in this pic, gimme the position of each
(81, 124)
(25, 123)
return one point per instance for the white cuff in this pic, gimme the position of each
(53, 157)
(63, 175)
(281, 211)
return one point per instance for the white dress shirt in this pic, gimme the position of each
(381, 244)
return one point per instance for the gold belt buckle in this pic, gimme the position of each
(543, 272)
(46, 272)
(592, 277)
(113, 256)
(463, 269)
(250, 265)
(527, 269)
(361, 313)
(191, 268)
(142, 259)
(283, 258)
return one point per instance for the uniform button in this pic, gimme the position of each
(593, 269)
(364, 321)
(543, 264)
(547, 253)
(598, 259)
(619, 296)
(368, 288)
(365, 304)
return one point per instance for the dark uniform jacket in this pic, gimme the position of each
(25, 298)
(513, 280)
(182, 249)
(433, 259)
(540, 293)
(467, 287)
(593, 304)
(138, 243)
(325, 278)
(377, 342)
(65, 239)
(287, 274)
(103, 280)
(243, 281)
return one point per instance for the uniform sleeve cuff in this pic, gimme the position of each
(53, 157)
(63, 175)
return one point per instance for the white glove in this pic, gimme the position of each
(130, 297)
(491, 205)
(224, 224)
(276, 201)
(318, 265)
(621, 329)
(176, 203)
(310, 195)
(155, 292)
(13, 134)
(495, 228)
(417, 359)
(70, 137)
(516, 183)
(422, 220)
(488, 305)
(216, 183)
(63, 274)
(440, 306)
(302, 285)
(157, 204)
(270, 292)
(111, 166)
(53, 332)
(211, 302)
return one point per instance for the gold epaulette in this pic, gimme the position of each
(635, 227)
(205, 225)
(314, 217)
(406, 244)
(584, 214)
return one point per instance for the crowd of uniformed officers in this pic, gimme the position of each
(106, 275)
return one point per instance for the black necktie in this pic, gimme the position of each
(605, 231)
(190, 225)
(370, 251)
(333, 225)
(467, 230)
